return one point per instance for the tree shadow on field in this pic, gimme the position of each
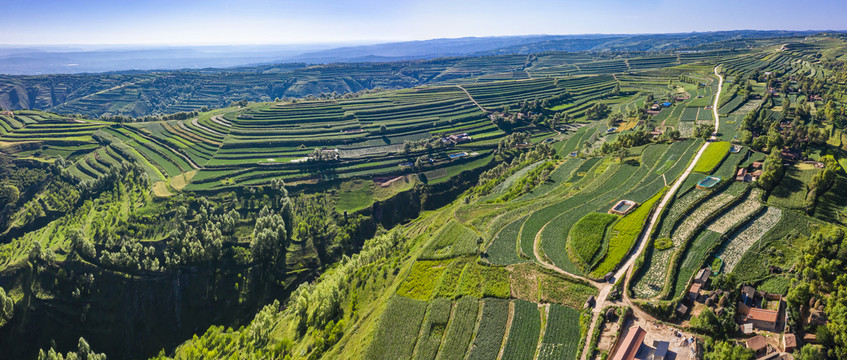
(789, 184)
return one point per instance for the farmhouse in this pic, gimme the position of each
(789, 342)
(628, 347)
(703, 276)
(681, 309)
(810, 339)
(758, 345)
(741, 175)
(457, 138)
(694, 291)
(761, 319)
(748, 293)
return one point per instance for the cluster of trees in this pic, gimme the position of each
(125, 119)
(536, 177)
(199, 228)
(624, 141)
(512, 162)
(317, 305)
(427, 145)
(318, 222)
(704, 131)
(534, 111)
(772, 171)
(63, 194)
(822, 182)
(323, 155)
(762, 131)
(7, 307)
(597, 111)
(512, 141)
(83, 352)
(822, 283)
(835, 114)
(719, 327)
(270, 239)
(725, 350)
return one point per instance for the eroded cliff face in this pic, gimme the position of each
(130, 317)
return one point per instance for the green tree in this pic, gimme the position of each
(269, 238)
(810, 352)
(9, 195)
(7, 306)
(723, 350)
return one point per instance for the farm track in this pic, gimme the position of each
(472, 99)
(627, 269)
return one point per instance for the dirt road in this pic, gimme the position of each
(641, 244)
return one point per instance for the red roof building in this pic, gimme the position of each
(758, 345)
(627, 348)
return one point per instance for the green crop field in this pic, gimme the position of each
(524, 333)
(712, 157)
(791, 192)
(452, 240)
(457, 338)
(624, 234)
(492, 330)
(561, 337)
(400, 314)
(432, 330)
(586, 236)
(503, 249)
(422, 279)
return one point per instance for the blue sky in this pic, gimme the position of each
(217, 22)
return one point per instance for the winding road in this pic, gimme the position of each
(627, 268)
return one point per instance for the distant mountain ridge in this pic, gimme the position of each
(69, 60)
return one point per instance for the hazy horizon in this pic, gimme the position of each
(331, 44)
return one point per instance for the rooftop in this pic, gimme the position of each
(629, 347)
(757, 343)
(762, 315)
(790, 340)
(695, 288)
